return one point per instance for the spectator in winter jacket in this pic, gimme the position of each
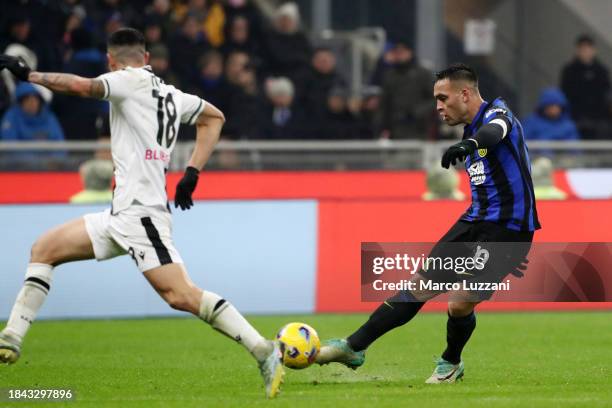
(314, 86)
(551, 120)
(287, 49)
(406, 108)
(586, 83)
(30, 119)
(245, 101)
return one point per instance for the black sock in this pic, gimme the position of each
(458, 332)
(396, 311)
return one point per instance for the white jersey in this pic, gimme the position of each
(145, 115)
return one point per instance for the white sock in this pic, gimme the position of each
(224, 317)
(29, 300)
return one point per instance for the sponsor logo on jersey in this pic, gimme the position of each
(477, 173)
(155, 154)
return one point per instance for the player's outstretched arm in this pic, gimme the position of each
(69, 84)
(209, 125)
(62, 83)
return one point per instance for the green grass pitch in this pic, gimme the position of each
(512, 360)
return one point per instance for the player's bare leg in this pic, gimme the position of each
(174, 285)
(65, 243)
(459, 327)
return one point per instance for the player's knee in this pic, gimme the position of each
(42, 251)
(459, 309)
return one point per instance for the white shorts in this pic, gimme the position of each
(144, 233)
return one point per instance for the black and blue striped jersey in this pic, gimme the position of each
(500, 177)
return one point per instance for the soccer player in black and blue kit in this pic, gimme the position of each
(503, 209)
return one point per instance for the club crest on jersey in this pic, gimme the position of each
(477, 173)
(482, 152)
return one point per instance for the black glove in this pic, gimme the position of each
(16, 65)
(185, 187)
(459, 152)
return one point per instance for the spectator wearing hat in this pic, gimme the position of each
(585, 81)
(551, 120)
(384, 63)
(287, 49)
(30, 119)
(406, 107)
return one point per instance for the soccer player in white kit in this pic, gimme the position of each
(144, 118)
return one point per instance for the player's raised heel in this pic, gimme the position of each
(446, 372)
(339, 351)
(272, 371)
(9, 350)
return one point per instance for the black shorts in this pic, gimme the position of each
(503, 250)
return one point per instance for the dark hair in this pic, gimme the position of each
(585, 39)
(126, 37)
(458, 72)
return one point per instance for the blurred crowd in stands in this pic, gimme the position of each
(263, 72)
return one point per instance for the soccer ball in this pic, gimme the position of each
(300, 345)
